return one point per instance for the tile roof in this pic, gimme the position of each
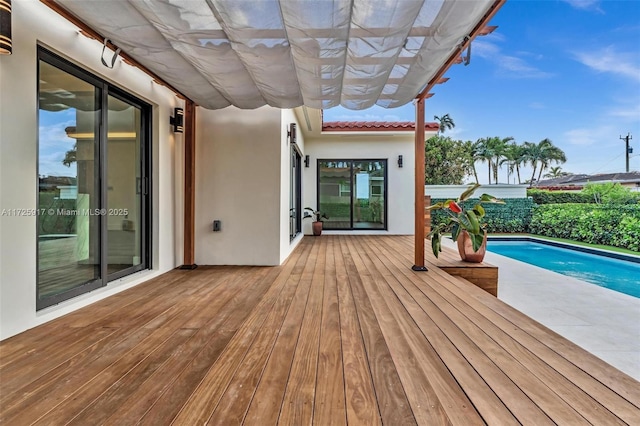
(582, 179)
(375, 126)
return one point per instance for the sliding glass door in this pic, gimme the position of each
(353, 193)
(92, 173)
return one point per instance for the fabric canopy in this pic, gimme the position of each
(287, 53)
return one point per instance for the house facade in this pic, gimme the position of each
(92, 176)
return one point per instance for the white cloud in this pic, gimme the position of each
(585, 4)
(537, 105)
(611, 61)
(626, 113)
(590, 136)
(508, 65)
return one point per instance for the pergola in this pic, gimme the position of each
(289, 53)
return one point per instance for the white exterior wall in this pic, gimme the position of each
(238, 181)
(286, 245)
(498, 191)
(35, 23)
(400, 181)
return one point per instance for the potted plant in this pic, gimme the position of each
(464, 224)
(317, 216)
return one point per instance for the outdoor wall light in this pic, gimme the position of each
(400, 161)
(306, 161)
(5, 27)
(291, 133)
(177, 121)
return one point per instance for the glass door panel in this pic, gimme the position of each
(124, 186)
(334, 193)
(352, 193)
(368, 203)
(69, 185)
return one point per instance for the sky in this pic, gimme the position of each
(567, 70)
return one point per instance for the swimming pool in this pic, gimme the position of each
(620, 273)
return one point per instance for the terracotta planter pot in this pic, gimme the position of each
(317, 228)
(465, 248)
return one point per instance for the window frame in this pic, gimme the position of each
(385, 192)
(103, 90)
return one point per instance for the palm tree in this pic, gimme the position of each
(475, 151)
(485, 153)
(551, 154)
(445, 122)
(498, 147)
(544, 152)
(513, 157)
(555, 172)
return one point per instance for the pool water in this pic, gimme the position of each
(619, 275)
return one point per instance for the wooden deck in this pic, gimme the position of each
(342, 333)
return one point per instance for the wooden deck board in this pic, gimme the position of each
(343, 333)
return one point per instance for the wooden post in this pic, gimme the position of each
(419, 188)
(189, 185)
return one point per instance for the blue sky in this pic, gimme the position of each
(567, 70)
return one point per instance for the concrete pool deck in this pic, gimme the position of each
(602, 321)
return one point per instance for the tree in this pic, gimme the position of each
(485, 153)
(70, 156)
(492, 150)
(447, 161)
(475, 152)
(514, 157)
(543, 153)
(499, 148)
(555, 172)
(445, 123)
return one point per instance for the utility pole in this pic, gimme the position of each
(628, 150)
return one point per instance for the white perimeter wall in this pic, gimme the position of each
(499, 191)
(240, 164)
(32, 23)
(400, 181)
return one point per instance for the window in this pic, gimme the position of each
(295, 193)
(353, 193)
(93, 168)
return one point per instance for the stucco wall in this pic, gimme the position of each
(35, 23)
(400, 198)
(499, 191)
(288, 117)
(238, 181)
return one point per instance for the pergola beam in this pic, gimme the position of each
(455, 58)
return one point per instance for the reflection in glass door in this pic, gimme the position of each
(93, 196)
(124, 186)
(69, 190)
(368, 204)
(352, 193)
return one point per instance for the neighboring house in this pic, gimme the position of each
(115, 216)
(629, 180)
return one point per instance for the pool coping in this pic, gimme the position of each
(590, 250)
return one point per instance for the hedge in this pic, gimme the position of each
(541, 196)
(612, 225)
(511, 217)
(55, 224)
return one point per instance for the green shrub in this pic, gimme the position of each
(512, 217)
(606, 224)
(541, 196)
(53, 223)
(611, 193)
